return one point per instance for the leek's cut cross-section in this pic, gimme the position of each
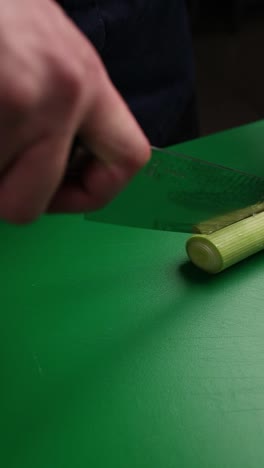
(217, 251)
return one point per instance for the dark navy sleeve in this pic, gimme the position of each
(147, 50)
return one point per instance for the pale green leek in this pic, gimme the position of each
(215, 252)
(221, 221)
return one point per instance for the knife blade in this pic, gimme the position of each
(176, 192)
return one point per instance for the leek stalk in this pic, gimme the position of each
(221, 221)
(215, 252)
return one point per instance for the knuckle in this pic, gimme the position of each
(70, 78)
(72, 82)
(139, 158)
(18, 96)
(72, 75)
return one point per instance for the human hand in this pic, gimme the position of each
(53, 86)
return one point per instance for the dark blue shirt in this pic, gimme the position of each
(146, 48)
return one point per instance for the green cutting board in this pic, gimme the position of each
(116, 353)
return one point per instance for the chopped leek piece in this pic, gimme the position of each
(221, 221)
(215, 252)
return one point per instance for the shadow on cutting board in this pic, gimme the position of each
(195, 276)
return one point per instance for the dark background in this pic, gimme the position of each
(228, 38)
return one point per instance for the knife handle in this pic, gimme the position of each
(80, 156)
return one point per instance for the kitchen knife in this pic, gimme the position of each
(175, 192)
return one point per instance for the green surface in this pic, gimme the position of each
(115, 352)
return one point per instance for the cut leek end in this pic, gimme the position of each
(204, 254)
(217, 251)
